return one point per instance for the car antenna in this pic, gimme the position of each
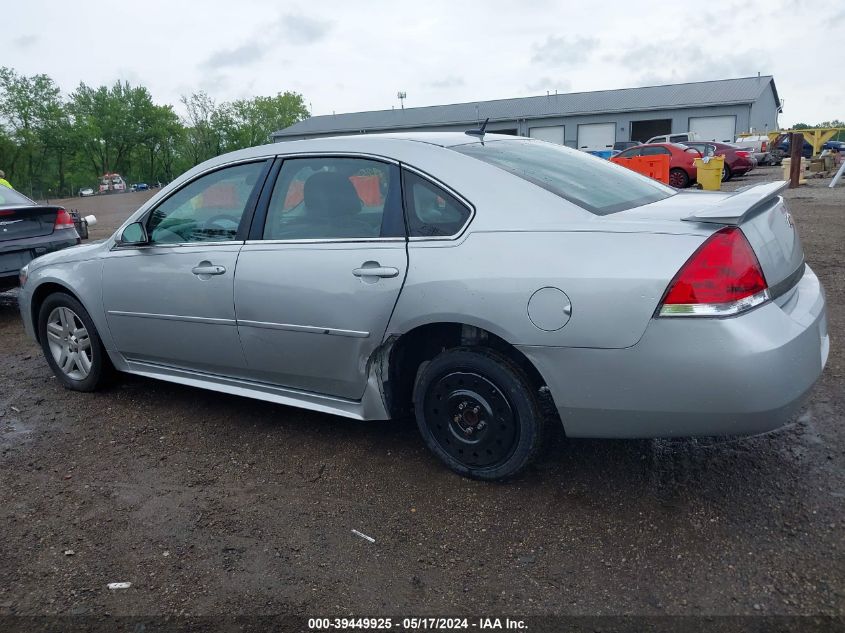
(480, 131)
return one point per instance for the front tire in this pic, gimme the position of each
(479, 413)
(71, 343)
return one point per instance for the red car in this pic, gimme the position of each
(738, 161)
(682, 172)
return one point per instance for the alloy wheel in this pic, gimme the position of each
(677, 179)
(69, 343)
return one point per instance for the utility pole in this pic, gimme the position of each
(796, 145)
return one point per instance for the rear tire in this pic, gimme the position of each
(479, 413)
(678, 178)
(71, 344)
(726, 173)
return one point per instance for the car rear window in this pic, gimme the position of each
(10, 196)
(592, 183)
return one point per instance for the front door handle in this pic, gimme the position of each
(206, 268)
(376, 271)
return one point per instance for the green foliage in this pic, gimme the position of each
(52, 146)
(835, 123)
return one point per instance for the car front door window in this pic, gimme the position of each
(209, 209)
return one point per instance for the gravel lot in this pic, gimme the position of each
(213, 504)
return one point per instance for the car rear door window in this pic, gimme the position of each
(327, 198)
(431, 211)
(655, 151)
(209, 209)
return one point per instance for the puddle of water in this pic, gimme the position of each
(9, 299)
(14, 431)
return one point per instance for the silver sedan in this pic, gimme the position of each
(489, 287)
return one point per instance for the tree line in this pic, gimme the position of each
(52, 145)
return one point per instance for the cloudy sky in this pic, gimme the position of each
(346, 56)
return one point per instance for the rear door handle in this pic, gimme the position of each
(376, 271)
(208, 269)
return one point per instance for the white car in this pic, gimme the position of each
(758, 145)
(682, 137)
(87, 191)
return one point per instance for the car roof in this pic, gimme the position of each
(389, 144)
(402, 146)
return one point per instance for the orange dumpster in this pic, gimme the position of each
(656, 167)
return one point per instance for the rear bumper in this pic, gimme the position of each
(16, 254)
(741, 166)
(695, 376)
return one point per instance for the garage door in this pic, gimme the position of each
(549, 133)
(721, 129)
(596, 136)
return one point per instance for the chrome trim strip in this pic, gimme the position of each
(139, 247)
(349, 240)
(311, 329)
(452, 192)
(172, 317)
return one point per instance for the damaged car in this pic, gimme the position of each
(488, 285)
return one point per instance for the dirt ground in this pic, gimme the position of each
(214, 504)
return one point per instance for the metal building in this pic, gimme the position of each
(716, 110)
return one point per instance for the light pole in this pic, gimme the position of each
(401, 95)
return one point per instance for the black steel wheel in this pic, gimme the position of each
(479, 413)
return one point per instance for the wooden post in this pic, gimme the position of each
(796, 145)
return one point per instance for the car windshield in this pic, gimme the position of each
(10, 196)
(592, 183)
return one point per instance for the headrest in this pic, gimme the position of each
(330, 194)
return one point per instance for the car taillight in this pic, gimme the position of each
(764, 146)
(742, 153)
(723, 277)
(63, 220)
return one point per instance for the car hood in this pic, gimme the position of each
(72, 254)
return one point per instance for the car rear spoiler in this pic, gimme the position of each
(735, 208)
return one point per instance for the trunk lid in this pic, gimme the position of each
(23, 221)
(760, 211)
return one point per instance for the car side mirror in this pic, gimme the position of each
(134, 234)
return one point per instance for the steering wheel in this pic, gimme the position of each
(218, 223)
(223, 218)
